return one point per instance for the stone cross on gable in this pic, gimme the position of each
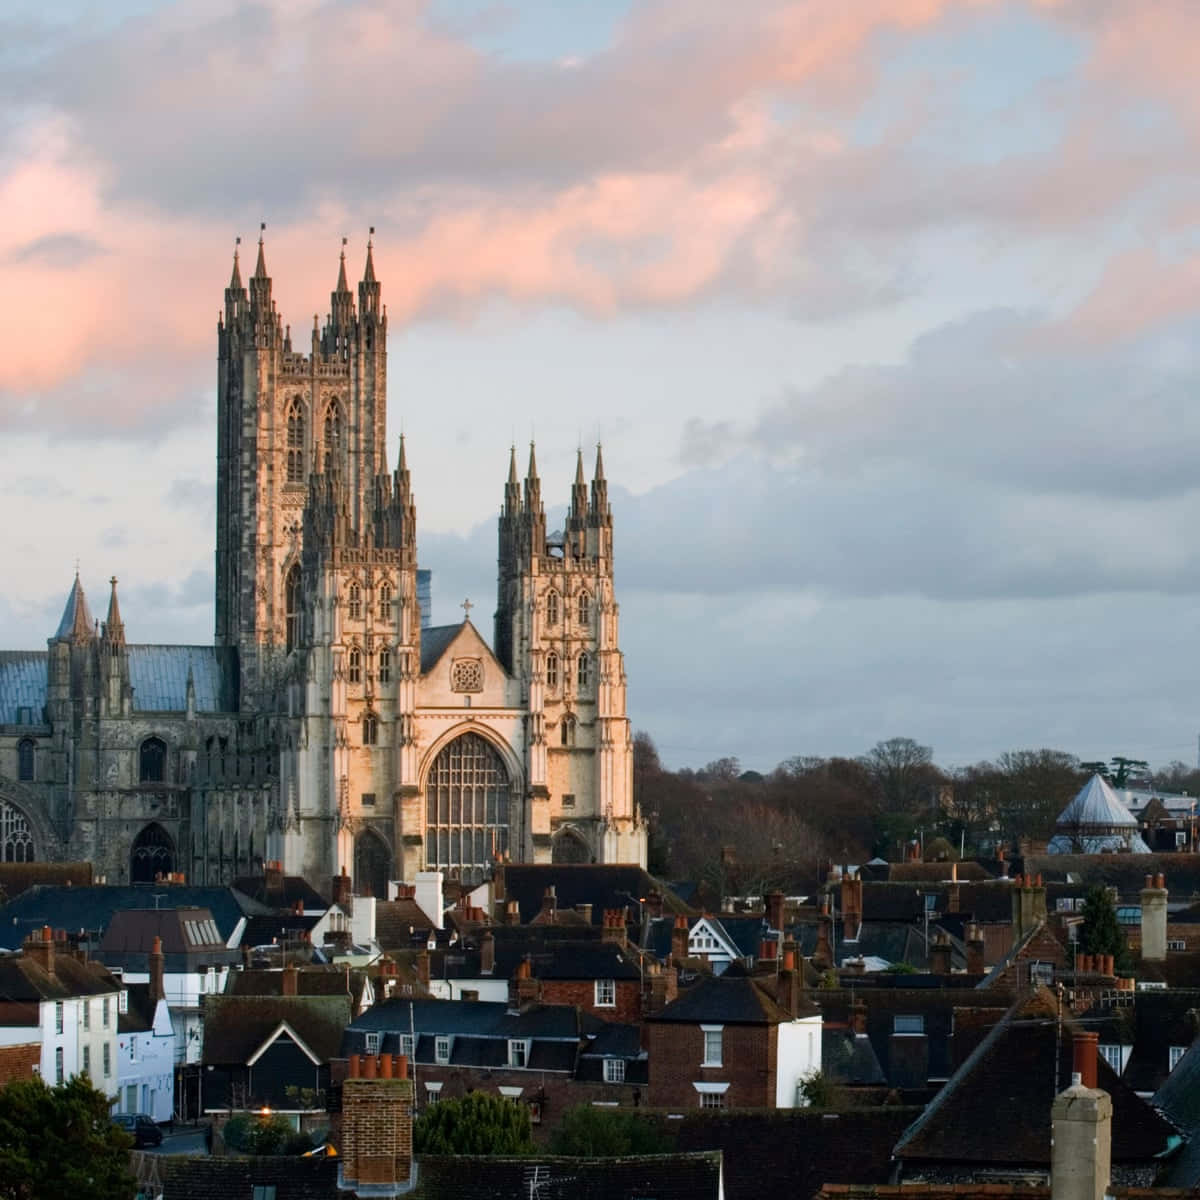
(466, 606)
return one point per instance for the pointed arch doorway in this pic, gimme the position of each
(372, 865)
(152, 854)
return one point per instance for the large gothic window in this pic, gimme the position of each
(295, 441)
(583, 671)
(25, 760)
(333, 435)
(370, 729)
(152, 855)
(152, 761)
(372, 865)
(466, 809)
(16, 839)
(385, 666)
(291, 605)
(552, 671)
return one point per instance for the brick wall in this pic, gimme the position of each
(376, 1130)
(748, 1055)
(19, 1062)
(582, 993)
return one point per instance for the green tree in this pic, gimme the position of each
(476, 1124)
(817, 1090)
(1102, 933)
(249, 1133)
(589, 1132)
(59, 1144)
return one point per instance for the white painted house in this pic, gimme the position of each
(146, 1048)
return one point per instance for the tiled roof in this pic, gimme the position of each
(663, 1176)
(227, 1178)
(16, 878)
(92, 908)
(139, 1014)
(182, 930)
(23, 685)
(730, 999)
(1125, 872)
(1003, 1087)
(469, 1018)
(933, 872)
(1160, 1020)
(292, 888)
(600, 885)
(159, 678)
(310, 981)
(23, 981)
(398, 922)
(236, 1026)
(1178, 1099)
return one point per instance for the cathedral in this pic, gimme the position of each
(330, 725)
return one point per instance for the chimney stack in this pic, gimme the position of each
(155, 965)
(953, 896)
(291, 980)
(512, 912)
(975, 950)
(39, 946)
(1081, 1141)
(679, 939)
(524, 990)
(342, 890)
(773, 903)
(858, 1018)
(428, 895)
(376, 1151)
(1154, 919)
(939, 953)
(614, 929)
(549, 911)
(585, 911)
(487, 953)
(822, 956)
(852, 906)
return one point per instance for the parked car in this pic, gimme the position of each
(141, 1128)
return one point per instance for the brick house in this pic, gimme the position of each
(733, 1041)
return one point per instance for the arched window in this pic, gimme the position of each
(466, 809)
(385, 666)
(152, 855)
(552, 670)
(25, 760)
(295, 441)
(370, 729)
(385, 601)
(16, 839)
(355, 665)
(551, 608)
(291, 607)
(583, 671)
(568, 730)
(333, 436)
(355, 602)
(569, 847)
(585, 608)
(152, 761)
(372, 865)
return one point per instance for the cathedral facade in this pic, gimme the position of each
(330, 725)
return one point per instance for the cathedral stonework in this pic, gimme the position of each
(330, 725)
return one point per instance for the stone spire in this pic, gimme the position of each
(341, 303)
(369, 270)
(260, 267)
(342, 285)
(76, 624)
(235, 280)
(368, 289)
(579, 500)
(512, 489)
(114, 627)
(599, 486)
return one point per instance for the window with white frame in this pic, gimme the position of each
(87, 1060)
(614, 1070)
(58, 1065)
(1112, 1055)
(122, 1001)
(1174, 1054)
(606, 993)
(511, 1093)
(105, 1011)
(432, 1091)
(107, 1059)
(58, 1016)
(406, 1044)
(712, 1045)
(712, 1100)
(518, 1052)
(1041, 973)
(1176, 944)
(87, 1014)
(371, 1043)
(441, 1049)
(908, 1024)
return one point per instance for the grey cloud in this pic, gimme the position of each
(61, 251)
(196, 494)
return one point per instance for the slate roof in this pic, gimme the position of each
(434, 641)
(310, 981)
(1007, 1086)
(182, 930)
(23, 981)
(76, 614)
(16, 878)
(292, 888)
(1160, 1020)
(236, 1026)
(265, 929)
(469, 1018)
(225, 1178)
(792, 1152)
(730, 999)
(92, 908)
(849, 1058)
(695, 1176)
(600, 885)
(159, 678)
(615, 1041)
(139, 1014)
(23, 684)
(1178, 1099)
(933, 872)
(1125, 872)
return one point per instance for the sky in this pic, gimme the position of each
(885, 313)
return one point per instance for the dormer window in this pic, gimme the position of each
(518, 1052)
(441, 1049)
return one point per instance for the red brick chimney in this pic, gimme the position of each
(939, 953)
(975, 950)
(852, 906)
(679, 939)
(291, 980)
(155, 964)
(773, 903)
(40, 948)
(342, 890)
(787, 983)
(953, 899)
(614, 929)
(377, 1104)
(858, 1018)
(523, 989)
(512, 912)
(423, 968)
(1083, 1053)
(487, 953)
(822, 956)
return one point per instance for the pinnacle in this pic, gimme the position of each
(403, 463)
(532, 473)
(76, 623)
(235, 281)
(369, 271)
(579, 480)
(512, 465)
(341, 283)
(260, 268)
(599, 463)
(113, 621)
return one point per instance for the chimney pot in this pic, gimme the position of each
(369, 1063)
(402, 1066)
(1083, 1048)
(355, 1066)
(385, 1066)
